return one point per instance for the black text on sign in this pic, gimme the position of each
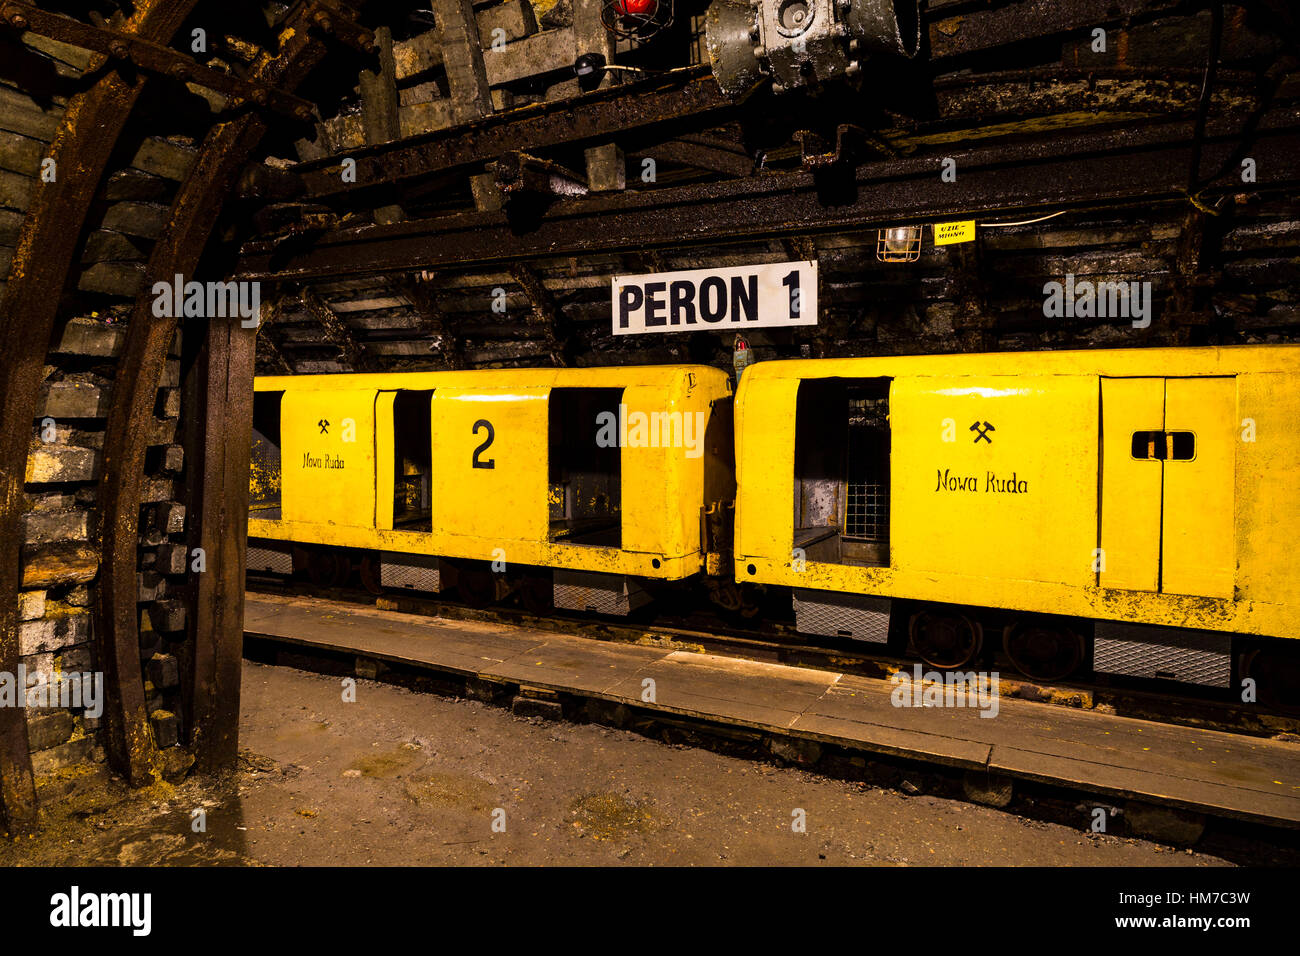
(751, 297)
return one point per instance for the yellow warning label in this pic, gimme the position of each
(946, 233)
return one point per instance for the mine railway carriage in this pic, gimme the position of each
(426, 473)
(1135, 510)
(1148, 499)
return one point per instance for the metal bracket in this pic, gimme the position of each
(817, 152)
(337, 19)
(517, 173)
(151, 57)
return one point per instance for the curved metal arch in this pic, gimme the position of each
(47, 246)
(218, 609)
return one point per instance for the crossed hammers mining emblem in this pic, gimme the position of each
(983, 432)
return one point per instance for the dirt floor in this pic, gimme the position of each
(401, 778)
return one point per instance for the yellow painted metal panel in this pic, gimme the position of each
(1130, 488)
(384, 450)
(765, 471)
(1197, 547)
(655, 487)
(1268, 490)
(489, 468)
(328, 458)
(1207, 360)
(997, 473)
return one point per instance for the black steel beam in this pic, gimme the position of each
(1031, 20)
(1082, 169)
(594, 116)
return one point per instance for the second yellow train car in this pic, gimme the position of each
(1146, 499)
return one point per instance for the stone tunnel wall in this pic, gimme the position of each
(60, 555)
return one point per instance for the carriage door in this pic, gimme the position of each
(1168, 454)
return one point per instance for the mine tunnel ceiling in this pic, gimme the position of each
(485, 169)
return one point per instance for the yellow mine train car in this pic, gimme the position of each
(1151, 496)
(600, 473)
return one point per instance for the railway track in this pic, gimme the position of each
(775, 642)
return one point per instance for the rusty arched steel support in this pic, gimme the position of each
(218, 608)
(46, 252)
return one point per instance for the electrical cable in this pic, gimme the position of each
(1022, 222)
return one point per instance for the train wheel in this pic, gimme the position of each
(328, 567)
(1044, 651)
(945, 639)
(369, 571)
(477, 587)
(537, 594)
(1276, 672)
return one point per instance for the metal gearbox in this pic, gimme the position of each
(805, 42)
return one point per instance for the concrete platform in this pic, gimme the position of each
(1203, 771)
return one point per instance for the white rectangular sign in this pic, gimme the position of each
(744, 297)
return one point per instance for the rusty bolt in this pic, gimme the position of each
(322, 20)
(258, 96)
(119, 49)
(180, 71)
(18, 21)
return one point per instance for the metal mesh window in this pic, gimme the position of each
(866, 511)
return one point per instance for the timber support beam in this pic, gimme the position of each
(1143, 164)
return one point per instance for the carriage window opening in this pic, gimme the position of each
(412, 461)
(264, 464)
(1180, 446)
(585, 476)
(841, 480)
(1148, 445)
(1164, 446)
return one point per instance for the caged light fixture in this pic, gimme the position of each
(636, 19)
(899, 244)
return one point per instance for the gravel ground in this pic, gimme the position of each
(399, 778)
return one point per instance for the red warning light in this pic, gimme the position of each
(636, 19)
